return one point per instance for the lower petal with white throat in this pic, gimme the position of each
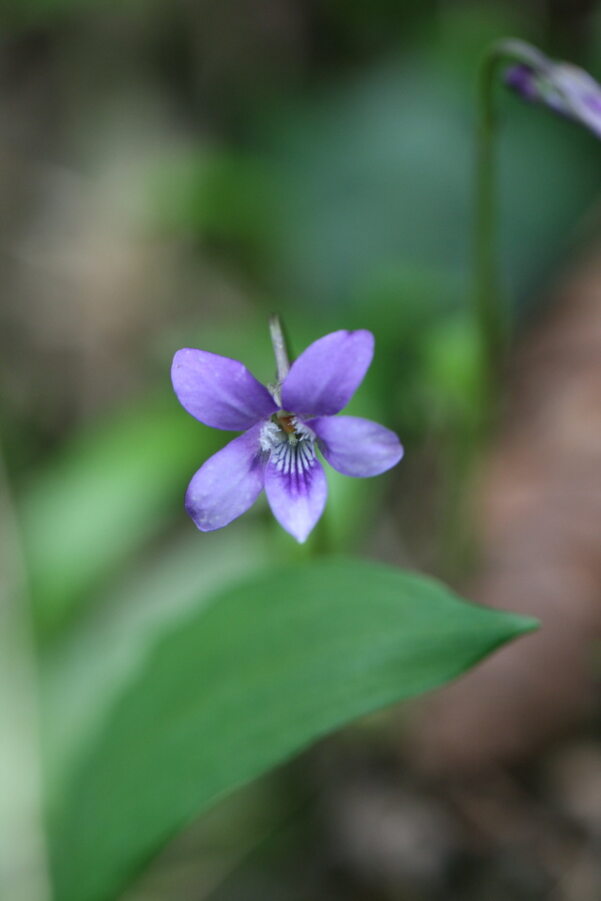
(296, 489)
(295, 483)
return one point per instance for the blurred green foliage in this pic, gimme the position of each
(337, 191)
(342, 185)
(106, 494)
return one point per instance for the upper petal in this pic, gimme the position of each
(327, 374)
(296, 498)
(357, 447)
(218, 391)
(227, 484)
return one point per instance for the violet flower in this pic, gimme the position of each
(285, 425)
(564, 88)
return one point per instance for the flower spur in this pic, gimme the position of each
(284, 426)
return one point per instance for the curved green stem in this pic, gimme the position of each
(490, 312)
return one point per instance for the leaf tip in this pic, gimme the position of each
(523, 625)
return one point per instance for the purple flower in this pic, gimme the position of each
(285, 426)
(564, 88)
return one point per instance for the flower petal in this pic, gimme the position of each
(357, 447)
(227, 484)
(327, 374)
(218, 391)
(296, 499)
(581, 95)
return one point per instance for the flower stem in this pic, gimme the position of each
(280, 347)
(490, 314)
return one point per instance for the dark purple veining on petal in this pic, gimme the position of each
(297, 498)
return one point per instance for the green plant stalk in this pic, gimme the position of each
(490, 312)
(489, 308)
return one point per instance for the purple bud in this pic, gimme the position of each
(561, 87)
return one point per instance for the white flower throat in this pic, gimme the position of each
(289, 443)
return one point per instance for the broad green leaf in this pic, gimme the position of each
(240, 686)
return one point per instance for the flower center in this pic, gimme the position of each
(289, 443)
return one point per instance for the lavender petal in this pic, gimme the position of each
(327, 374)
(357, 447)
(228, 484)
(218, 391)
(296, 498)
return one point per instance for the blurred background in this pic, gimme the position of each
(171, 171)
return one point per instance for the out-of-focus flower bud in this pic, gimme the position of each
(564, 88)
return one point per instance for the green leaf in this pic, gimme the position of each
(240, 686)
